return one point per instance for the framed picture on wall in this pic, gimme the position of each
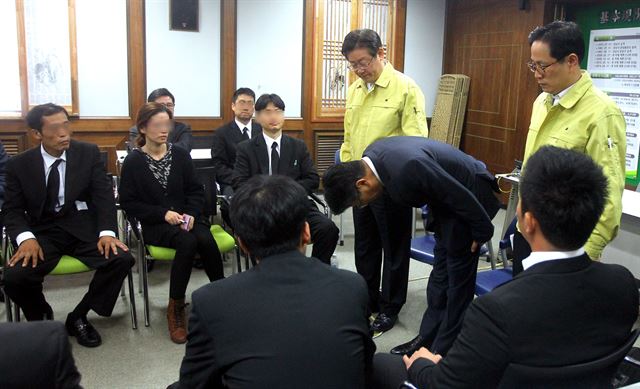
(183, 15)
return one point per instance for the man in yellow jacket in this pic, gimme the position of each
(572, 113)
(381, 103)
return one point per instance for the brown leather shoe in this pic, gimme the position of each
(176, 318)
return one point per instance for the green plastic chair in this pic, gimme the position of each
(224, 240)
(69, 265)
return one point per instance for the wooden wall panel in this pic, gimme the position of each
(487, 41)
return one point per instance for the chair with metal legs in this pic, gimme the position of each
(67, 265)
(225, 242)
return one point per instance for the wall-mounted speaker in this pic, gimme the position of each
(183, 15)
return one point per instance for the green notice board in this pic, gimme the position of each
(612, 41)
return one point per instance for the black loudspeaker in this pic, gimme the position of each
(184, 15)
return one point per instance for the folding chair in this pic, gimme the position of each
(422, 246)
(598, 373)
(66, 265)
(486, 281)
(224, 241)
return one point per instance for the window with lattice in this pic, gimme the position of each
(334, 19)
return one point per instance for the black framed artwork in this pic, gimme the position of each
(183, 15)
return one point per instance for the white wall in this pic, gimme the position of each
(269, 47)
(9, 72)
(187, 63)
(424, 46)
(103, 84)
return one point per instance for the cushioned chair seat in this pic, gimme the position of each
(224, 241)
(422, 249)
(486, 281)
(69, 265)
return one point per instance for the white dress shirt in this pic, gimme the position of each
(544, 256)
(556, 98)
(269, 142)
(369, 163)
(242, 126)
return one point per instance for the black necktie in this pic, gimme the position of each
(53, 187)
(245, 134)
(275, 158)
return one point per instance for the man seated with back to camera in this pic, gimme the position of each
(563, 309)
(289, 322)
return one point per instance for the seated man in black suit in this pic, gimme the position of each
(562, 310)
(180, 135)
(37, 355)
(227, 137)
(58, 200)
(293, 322)
(273, 153)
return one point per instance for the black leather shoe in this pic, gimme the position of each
(410, 347)
(383, 322)
(83, 331)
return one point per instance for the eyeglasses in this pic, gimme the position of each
(359, 65)
(244, 102)
(533, 66)
(168, 105)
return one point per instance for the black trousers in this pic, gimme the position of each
(389, 371)
(23, 285)
(383, 225)
(324, 234)
(521, 250)
(451, 284)
(187, 244)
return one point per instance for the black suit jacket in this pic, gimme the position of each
(37, 355)
(554, 313)
(223, 149)
(85, 181)
(295, 162)
(294, 323)
(416, 171)
(181, 135)
(142, 196)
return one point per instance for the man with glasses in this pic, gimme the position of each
(273, 153)
(572, 113)
(381, 103)
(181, 134)
(227, 137)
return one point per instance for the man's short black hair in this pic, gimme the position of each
(268, 214)
(159, 93)
(267, 98)
(35, 115)
(565, 191)
(243, 91)
(363, 38)
(562, 37)
(339, 182)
